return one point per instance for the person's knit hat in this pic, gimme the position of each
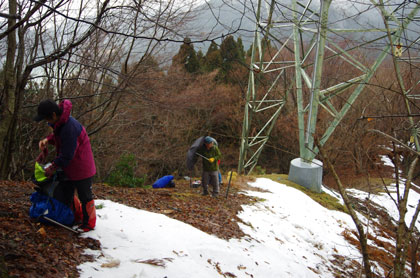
(208, 140)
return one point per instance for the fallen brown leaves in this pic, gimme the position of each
(30, 249)
(155, 262)
(381, 250)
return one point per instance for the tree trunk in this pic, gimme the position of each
(361, 233)
(8, 98)
(414, 248)
(403, 236)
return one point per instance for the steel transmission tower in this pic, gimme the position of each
(301, 30)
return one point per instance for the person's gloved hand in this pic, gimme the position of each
(50, 170)
(211, 159)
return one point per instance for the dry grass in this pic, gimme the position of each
(323, 198)
(372, 185)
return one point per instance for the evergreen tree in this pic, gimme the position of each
(230, 53)
(187, 57)
(241, 50)
(201, 60)
(249, 51)
(213, 58)
(213, 47)
(229, 50)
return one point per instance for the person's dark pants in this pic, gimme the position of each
(65, 194)
(213, 179)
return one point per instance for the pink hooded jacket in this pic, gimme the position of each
(74, 153)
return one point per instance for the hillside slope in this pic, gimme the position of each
(263, 229)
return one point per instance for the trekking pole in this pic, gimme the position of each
(59, 224)
(202, 156)
(230, 178)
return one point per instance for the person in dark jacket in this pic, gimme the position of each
(73, 155)
(210, 175)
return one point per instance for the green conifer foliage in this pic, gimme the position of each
(187, 57)
(231, 56)
(213, 59)
(249, 51)
(241, 50)
(200, 58)
(229, 50)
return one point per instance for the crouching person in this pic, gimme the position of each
(74, 155)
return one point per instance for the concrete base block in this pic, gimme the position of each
(306, 174)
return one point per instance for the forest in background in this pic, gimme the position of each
(144, 107)
(165, 108)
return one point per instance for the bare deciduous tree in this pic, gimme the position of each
(80, 50)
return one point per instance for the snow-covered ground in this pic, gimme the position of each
(290, 235)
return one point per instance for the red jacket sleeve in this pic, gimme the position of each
(51, 139)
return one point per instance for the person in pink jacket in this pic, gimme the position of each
(73, 155)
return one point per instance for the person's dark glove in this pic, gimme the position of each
(50, 170)
(41, 157)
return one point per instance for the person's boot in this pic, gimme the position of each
(77, 211)
(205, 189)
(89, 216)
(215, 191)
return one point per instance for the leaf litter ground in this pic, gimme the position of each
(31, 249)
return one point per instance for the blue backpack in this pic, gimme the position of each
(163, 181)
(43, 202)
(43, 205)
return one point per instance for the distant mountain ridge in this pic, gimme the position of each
(220, 17)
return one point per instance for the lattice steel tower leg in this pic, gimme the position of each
(303, 20)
